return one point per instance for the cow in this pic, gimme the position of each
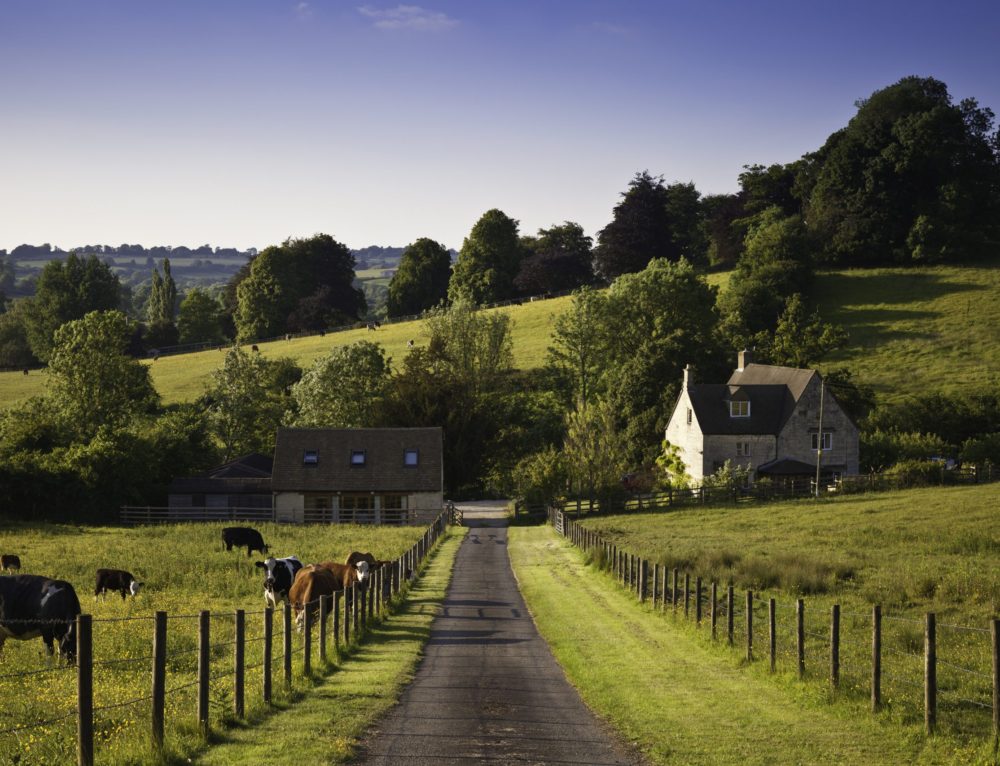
(10, 562)
(33, 605)
(347, 574)
(278, 578)
(116, 580)
(373, 563)
(254, 347)
(311, 583)
(240, 536)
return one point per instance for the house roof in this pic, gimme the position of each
(383, 470)
(254, 465)
(772, 375)
(247, 474)
(786, 466)
(768, 405)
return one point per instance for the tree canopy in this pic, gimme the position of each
(559, 258)
(199, 319)
(489, 261)
(639, 231)
(421, 280)
(345, 389)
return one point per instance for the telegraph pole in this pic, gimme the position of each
(819, 436)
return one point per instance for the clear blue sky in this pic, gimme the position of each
(243, 122)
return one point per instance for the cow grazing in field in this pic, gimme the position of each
(240, 536)
(373, 563)
(254, 347)
(311, 583)
(347, 574)
(116, 580)
(10, 562)
(33, 606)
(279, 574)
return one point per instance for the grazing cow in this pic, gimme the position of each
(25, 370)
(278, 578)
(311, 583)
(32, 606)
(409, 344)
(10, 562)
(240, 536)
(373, 563)
(116, 580)
(254, 347)
(347, 574)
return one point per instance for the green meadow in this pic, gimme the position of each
(184, 569)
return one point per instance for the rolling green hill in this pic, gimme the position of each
(911, 330)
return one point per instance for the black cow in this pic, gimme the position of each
(11, 562)
(32, 606)
(240, 536)
(116, 580)
(278, 578)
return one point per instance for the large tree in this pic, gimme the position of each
(199, 319)
(639, 231)
(68, 290)
(421, 281)
(161, 308)
(488, 262)
(559, 259)
(913, 177)
(345, 389)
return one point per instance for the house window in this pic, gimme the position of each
(827, 441)
(690, 416)
(739, 409)
(410, 458)
(310, 457)
(742, 449)
(358, 458)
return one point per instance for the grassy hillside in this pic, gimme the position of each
(911, 330)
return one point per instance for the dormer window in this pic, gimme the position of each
(411, 458)
(310, 457)
(357, 458)
(739, 408)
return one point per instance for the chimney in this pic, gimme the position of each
(688, 376)
(744, 358)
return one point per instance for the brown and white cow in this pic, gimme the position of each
(116, 580)
(348, 574)
(312, 582)
(33, 606)
(373, 563)
(10, 562)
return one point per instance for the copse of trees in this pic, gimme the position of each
(488, 262)
(559, 258)
(421, 280)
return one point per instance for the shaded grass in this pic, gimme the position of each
(679, 699)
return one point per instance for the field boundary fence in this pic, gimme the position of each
(135, 515)
(219, 653)
(915, 662)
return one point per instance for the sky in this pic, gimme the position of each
(240, 123)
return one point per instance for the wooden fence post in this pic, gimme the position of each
(687, 595)
(324, 614)
(204, 669)
(347, 617)
(286, 638)
(835, 646)
(306, 640)
(656, 585)
(730, 604)
(643, 579)
(372, 590)
(268, 640)
(800, 635)
(697, 601)
(772, 633)
(355, 618)
(749, 626)
(714, 615)
(239, 653)
(336, 620)
(930, 673)
(995, 635)
(876, 657)
(159, 677)
(84, 690)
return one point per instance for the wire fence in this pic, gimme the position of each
(199, 666)
(946, 675)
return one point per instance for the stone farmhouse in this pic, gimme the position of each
(767, 419)
(362, 475)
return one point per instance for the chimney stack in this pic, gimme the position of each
(744, 358)
(688, 376)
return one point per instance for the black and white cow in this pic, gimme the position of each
(10, 562)
(116, 580)
(240, 536)
(279, 574)
(33, 606)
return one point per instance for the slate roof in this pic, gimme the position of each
(768, 404)
(247, 474)
(254, 465)
(786, 466)
(383, 471)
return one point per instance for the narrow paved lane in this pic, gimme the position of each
(488, 689)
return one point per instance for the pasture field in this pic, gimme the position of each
(916, 551)
(184, 570)
(683, 701)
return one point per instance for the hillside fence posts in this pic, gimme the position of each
(930, 673)
(84, 691)
(266, 669)
(995, 635)
(306, 640)
(204, 669)
(643, 579)
(363, 612)
(730, 603)
(697, 601)
(159, 690)
(749, 626)
(772, 634)
(347, 617)
(656, 584)
(835, 646)
(687, 595)
(355, 626)
(714, 609)
(877, 659)
(286, 641)
(800, 636)
(239, 654)
(663, 586)
(336, 621)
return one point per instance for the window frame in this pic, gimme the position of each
(827, 441)
(364, 458)
(416, 458)
(739, 404)
(310, 453)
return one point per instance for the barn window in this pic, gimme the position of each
(310, 457)
(411, 458)
(739, 409)
(358, 457)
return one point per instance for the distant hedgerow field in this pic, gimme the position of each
(184, 570)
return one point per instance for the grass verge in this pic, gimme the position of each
(324, 727)
(681, 700)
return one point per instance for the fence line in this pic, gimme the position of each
(380, 595)
(632, 573)
(135, 515)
